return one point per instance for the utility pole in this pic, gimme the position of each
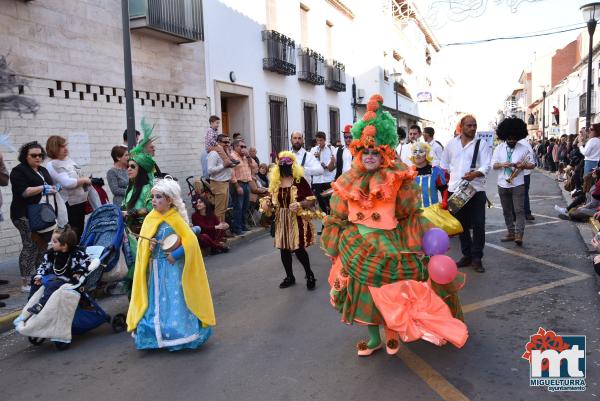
(129, 110)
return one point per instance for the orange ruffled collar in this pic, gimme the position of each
(366, 188)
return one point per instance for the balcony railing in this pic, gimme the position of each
(311, 65)
(179, 21)
(583, 104)
(280, 53)
(336, 76)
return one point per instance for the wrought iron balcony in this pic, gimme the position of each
(311, 65)
(336, 76)
(179, 21)
(280, 53)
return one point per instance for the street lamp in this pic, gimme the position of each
(591, 13)
(544, 116)
(394, 75)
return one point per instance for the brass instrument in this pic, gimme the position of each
(517, 171)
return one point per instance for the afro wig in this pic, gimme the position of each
(511, 127)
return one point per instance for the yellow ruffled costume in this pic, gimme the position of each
(193, 280)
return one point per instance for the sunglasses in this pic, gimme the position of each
(36, 155)
(225, 142)
(372, 152)
(243, 146)
(132, 166)
(347, 136)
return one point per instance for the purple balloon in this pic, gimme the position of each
(435, 242)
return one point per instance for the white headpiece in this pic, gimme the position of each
(170, 188)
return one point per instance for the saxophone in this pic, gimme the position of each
(517, 171)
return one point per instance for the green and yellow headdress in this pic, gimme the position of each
(376, 130)
(139, 155)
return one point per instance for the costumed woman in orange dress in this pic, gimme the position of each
(373, 235)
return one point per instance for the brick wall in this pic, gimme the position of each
(71, 51)
(563, 62)
(93, 127)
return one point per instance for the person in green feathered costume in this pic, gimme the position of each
(138, 202)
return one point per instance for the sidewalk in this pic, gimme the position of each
(586, 230)
(9, 270)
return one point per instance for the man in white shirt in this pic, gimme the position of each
(457, 159)
(219, 177)
(436, 148)
(527, 176)
(344, 156)
(322, 182)
(590, 149)
(404, 149)
(512, 157)
(305, 159)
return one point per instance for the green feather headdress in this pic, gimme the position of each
(139, 155)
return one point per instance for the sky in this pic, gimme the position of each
(486, 73)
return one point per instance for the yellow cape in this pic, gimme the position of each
(194, 281)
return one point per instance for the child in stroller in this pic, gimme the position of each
(64, 263)
(71, 308)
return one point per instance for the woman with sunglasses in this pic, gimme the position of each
(291, 201)
(373, 236)
(138, 201)
(29, 181)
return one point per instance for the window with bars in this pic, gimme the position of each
(278, 122)
(334, 124)
(310, 124)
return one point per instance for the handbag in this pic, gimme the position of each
(443, 219)
(42, 215)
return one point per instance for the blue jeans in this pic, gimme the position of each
(588, 166)
(240, 208)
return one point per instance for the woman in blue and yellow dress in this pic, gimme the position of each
(171, 306)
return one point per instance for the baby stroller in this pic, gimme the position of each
(72, 309)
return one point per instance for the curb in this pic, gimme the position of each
(6, 319)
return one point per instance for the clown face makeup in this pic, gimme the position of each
(419, 154)
(371, 159)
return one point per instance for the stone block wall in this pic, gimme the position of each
(71, 52)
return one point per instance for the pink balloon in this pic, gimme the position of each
(442, 269)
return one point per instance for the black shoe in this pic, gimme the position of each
(311, 282)
(35, 309)
(4, 296)
(477, 266)
(288, 282)
(3, 282)
(465, 261)
(2, 304)
(529, 217)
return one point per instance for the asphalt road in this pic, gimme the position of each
(272, 344)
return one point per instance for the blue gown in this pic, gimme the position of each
(168, 323)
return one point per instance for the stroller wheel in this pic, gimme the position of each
(118, 323)
(61, 346)
(36, 340)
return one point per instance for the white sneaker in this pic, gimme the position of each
(560, 210)
(26, 289)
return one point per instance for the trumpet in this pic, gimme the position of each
(517, 171)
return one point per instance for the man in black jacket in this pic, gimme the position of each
(344, 156)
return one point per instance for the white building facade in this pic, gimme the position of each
(295, 63)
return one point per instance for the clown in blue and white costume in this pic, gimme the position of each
(431, 179)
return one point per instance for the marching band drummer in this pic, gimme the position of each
(512, 157)
(466, 160)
